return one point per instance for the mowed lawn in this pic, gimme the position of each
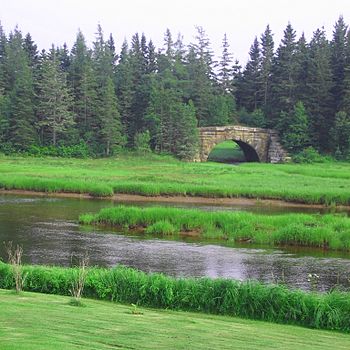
(153, 175)
(38, 321)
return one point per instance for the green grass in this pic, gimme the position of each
(37, 321)
(226, 152)
(152, 175)
(330, 231)
(249, 299)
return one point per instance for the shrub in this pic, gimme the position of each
(310, 155)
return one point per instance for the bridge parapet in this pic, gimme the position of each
(258, 144)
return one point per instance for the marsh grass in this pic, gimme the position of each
(152, 175)
(331, 231)
(253, 300)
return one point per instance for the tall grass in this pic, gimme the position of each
(330, 231)
(253, 300)
(49, 185)
(153, 175)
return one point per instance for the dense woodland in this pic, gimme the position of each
(94, 101)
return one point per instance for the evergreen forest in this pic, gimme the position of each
(93, 101)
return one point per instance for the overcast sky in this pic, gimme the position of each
(57, 21)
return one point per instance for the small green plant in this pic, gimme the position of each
(135, 310)
(162, 227)
(15, 260)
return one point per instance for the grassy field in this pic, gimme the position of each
(38, 321)
(327, 231)
(153, 175)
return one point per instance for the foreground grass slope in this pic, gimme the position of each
(326, 231)
(38, 321)
(160, 175)
(248, 299)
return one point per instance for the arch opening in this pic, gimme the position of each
(233, 151)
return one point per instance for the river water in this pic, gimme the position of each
(49, 232)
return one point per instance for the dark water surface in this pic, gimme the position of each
(47, 229)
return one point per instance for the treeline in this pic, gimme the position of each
(95, 101)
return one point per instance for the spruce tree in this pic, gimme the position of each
(22, 133)
(249, 81)
(294, 129)
(345, 106)
(302, 58)
(338, 59)
(54, 109)
(124, 87)
(267, 53)
(20, 92)
(318, 99)
(111, 134)
(225, 74)
(341, 134)
(200, 65)
(83, 85)
(284, 79)
(185, 132)
(3, 50)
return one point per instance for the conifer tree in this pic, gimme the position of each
(293, 126)
(186, 132)
(318, 99)
(110, 128)
(284, 76)
(225, 74)
(20, 92)
(200, 65)
(341, 134)
(346, 97)
(249, 82)
(267, 53)
(83, 85)
(124, 87)
(32, 51)
(54, 109)
(302, 58)
(338, 58)
(151, 58)
(3, 44)
(63, 58)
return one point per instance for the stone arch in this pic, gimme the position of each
(258, 144)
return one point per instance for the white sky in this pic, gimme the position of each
(57, 21)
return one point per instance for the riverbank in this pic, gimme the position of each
(250, 299)
(154, 176)
(38, 321)
(136, 198)
(326, 231)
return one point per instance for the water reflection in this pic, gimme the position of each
(49, 234)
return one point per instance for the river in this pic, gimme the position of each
(49, 232)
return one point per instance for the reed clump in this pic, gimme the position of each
(331, 231)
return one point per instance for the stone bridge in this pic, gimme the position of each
(257, 144)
